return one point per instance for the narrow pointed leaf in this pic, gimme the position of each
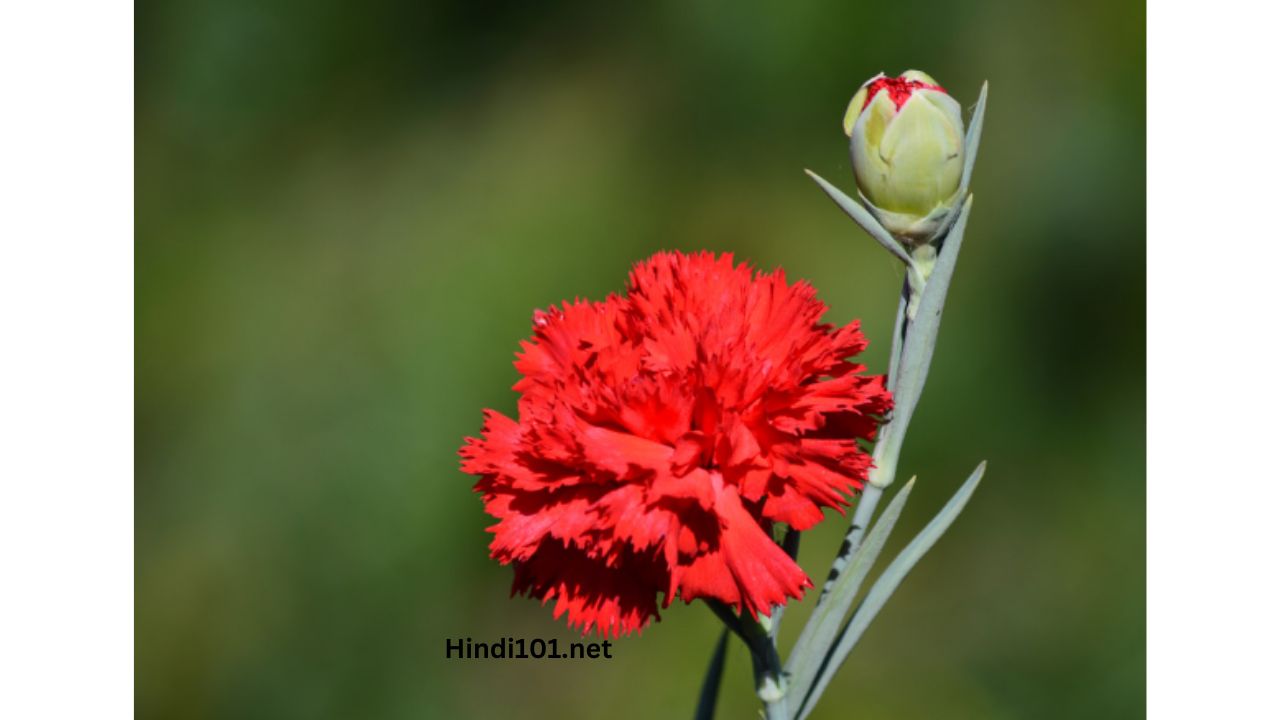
(818, 637)
(711, 682)
(922, 336)
(972, 138)
(884, 586)
(863, 217)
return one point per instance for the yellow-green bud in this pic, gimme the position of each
(907, 143)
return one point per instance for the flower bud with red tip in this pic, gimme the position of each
(907, 144)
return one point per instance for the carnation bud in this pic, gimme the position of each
(907, 143)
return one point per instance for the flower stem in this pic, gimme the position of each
(915, 336)
(771, 683)
(884, 463)
(791, 546)
(816, 640)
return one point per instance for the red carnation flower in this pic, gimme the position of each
(660, 436)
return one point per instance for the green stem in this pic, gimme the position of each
(771, 683)
(813, 645)
(926, 294)
(884, 461)
(791, 546)
(928, 276)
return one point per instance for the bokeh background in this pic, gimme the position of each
(348, 211)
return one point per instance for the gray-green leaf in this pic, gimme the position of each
(884, 586)
(863, 217)
(973, 137)
(922, 336)
(819, 635)
(711, 683)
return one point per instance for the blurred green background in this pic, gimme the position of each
(348, 211)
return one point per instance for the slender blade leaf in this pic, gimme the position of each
(711, 682)
(863, 217)
(922, 335)
(884, 586)
(972, 138)
(819, 634)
